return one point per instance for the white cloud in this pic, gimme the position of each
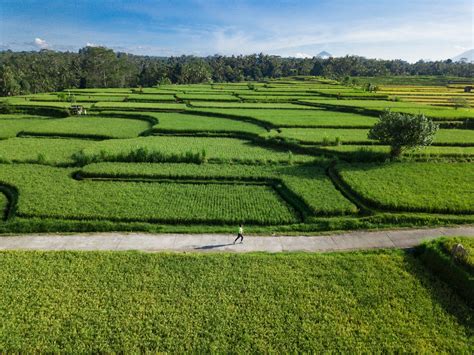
(302, 55)
(89, 44)
(41, 43)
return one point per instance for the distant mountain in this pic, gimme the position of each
(324, 55)
(467, 56)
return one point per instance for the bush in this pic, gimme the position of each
(140, 155)
(403, 131)
(441, 263)
(458, 102)
(6, 108)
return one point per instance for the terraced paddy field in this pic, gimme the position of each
(448, 137)
(286, 155)
(377, 106)
(426, 187)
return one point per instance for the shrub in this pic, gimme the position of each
(6, 108)
(403, 131)
(139, 155)
(440, 262)
(458, 102)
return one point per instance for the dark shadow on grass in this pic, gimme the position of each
(440, 292)
(210, 247)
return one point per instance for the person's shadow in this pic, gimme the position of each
(208, 247)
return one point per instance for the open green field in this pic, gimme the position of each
(52, 151)
(11, 127)
(47, 193)
(178, 122)
(142, 106)
(89, 126)
(378, 106)
(248, 105)
(214, 149)
(453, 137)
(431, 152)
(298, 118)
(427, 187)
(355, 302)
(316, 194)
(217, 158)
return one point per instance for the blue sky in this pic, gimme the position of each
(405, 29)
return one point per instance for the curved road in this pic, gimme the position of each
(358, 240)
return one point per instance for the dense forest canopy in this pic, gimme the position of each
(46, 70)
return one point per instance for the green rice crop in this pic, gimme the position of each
(18, 101)
(251, 303)
(90, 126)
(455, 137)
(176, 122)
(143, 106)
(3, 205)
(103, 90)
(428, 187)
(467, 243)
(151, 97)
(325, 135)
(462, 137)
(308, 182)
(275, 98)
(298, 118)
(249, 105)
(51, 151)
(427, 152)
(97, 98)
(207, 97)
(51, 193)
(294, 92)
(11, 127)
(20, 116)
(158, 91)
(456, 269)
(405, 107)
(77, 98)
(412, 80)
(216, 149)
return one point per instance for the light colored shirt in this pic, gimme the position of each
(241, 230)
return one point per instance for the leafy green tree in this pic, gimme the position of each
(196, 71)
(403, 131)
(8, 84)
(101, 68)
(458, 102)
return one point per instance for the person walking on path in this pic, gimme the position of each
(240, 235)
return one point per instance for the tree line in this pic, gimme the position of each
(46, 70)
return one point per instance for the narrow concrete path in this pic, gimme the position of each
(359, 240)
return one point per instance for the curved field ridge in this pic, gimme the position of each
(49, 192)
(297, 118)
(90, 126)
(378, 106)
(424, 187)
(3, 204)
(216, 149)
(308, 182)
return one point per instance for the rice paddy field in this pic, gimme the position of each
(286, 156)
(363, 302)
(282, 155)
